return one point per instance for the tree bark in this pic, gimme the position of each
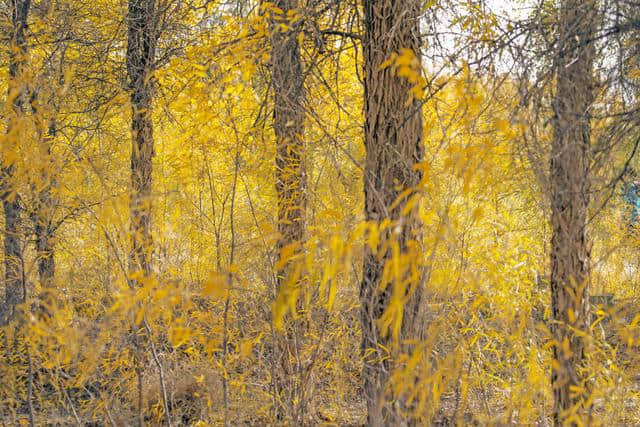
(140, 64)
(45, 250)
(140, 59)
(393, 142)
(42, 214)
(570, 186)
(291, 188)
(13, 253)
(289, 97)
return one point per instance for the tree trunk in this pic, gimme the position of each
(569, 205)
(44, 207)
(43, 211)
(287, 80)
(43, 221)
(393, 142)
(289, 115)
(140, 63)
(14, 274)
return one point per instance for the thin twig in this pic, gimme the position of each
(73, 409)
(225, 333)
(156, 359)
(30, 389)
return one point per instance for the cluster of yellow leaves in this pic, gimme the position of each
(477, 259)
(407, 65)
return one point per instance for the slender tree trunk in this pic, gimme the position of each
(45, 250)
(569, 205)
(43, 217)
(291, 187)
(45, 204)
(13, 274)
(140, 63)
(393, 142)
(288, 85)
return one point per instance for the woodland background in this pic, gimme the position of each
(319, 212)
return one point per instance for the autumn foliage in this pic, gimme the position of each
(315, 212)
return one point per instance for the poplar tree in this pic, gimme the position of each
(570, 188)
(13, 263)
(393, 143)
(290, 173)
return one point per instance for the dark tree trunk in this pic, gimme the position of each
(140, 64)
(15, 292)
(43, 218)
(288, 85)
(569, 204)
(393, 142)
(45, 250)
(289, 116)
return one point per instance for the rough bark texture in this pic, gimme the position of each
(45, 112)
(45, 250)
(13, 274)
(569, 203)
(140, 63)
(42, 215)
(288, 85)
(289, 114)
(393, 141)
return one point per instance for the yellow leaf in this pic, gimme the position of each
(215, 285)
(389, 61)
(374, 238)
(286, 254)
(178, 335)
(245, 348)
